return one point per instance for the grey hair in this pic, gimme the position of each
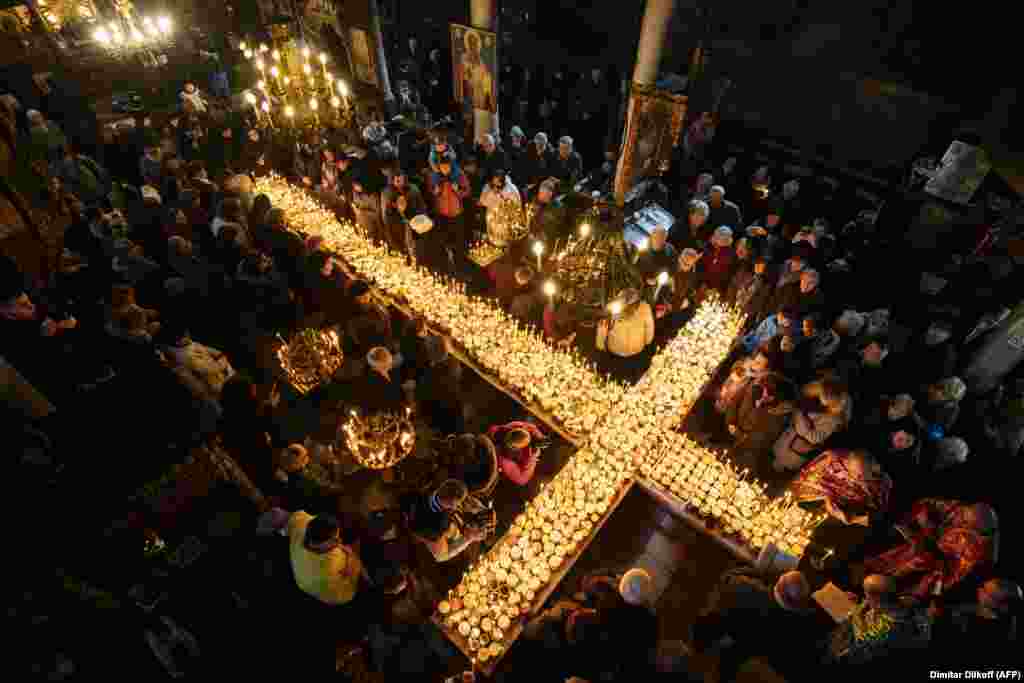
(701, 206)
(565, 140)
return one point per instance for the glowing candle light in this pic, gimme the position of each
(538, 250)
(662, 281)
(305, 52)
(276, 55)
(342, 88)
(549, 290)
(307, 69)
(242, 46)
(165, 25)
(585, 230)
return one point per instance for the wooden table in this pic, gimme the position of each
(516, 629)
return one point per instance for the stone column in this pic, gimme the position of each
(483, 14)
(390, 105)
(653, 31)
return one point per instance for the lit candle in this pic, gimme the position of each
(263, 47)
(307, 69)
(266, 110)
(251, 99)
(538, 250)
(275, 72)
(616, 309)
(305, 52)
(276, 55)
(289, 112)
(314, 106)
(549, 290)
(585, 230)
(242, 46)
(662, 281)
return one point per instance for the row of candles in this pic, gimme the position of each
(116, 35)
(630, 431)
(336, 92)
(703, 479)
(559, 380)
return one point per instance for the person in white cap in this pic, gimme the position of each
(540, 159)
(761, 615)
(722, 212)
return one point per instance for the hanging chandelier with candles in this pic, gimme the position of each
(310, 358)
(379, 441)
(294, 86)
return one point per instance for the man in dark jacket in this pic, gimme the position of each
(722, 212)
(400, 201)
(491, 157)
(762, 615)
(803, 296)
(540, 161)
(567, 166)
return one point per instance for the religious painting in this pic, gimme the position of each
(475, 65)
(364, 58)
(958, 178)
(653, 127)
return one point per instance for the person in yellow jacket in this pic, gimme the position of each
(324, 568)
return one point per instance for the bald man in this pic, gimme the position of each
(752, 614)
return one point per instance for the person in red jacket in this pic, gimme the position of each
(517, 449)
(719, 259)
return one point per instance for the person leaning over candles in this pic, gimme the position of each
(631, 331)
(430, 520)
(517, 450)
(323, 566)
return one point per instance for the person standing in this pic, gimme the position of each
(450, 188)
(324, 567)
(755, 614)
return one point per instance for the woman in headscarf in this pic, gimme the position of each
(850, 485)
(719, 259)
(946, 541)
(758, 416)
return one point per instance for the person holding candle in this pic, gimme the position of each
(518, 449)
(631, 331)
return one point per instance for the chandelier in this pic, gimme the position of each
(294, 86)
(310, 358)
(126, 34)
(380, 440)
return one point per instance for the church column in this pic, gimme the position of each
(390, 105)
(483, 14)
(653, 31)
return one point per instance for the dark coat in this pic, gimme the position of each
(757, 427)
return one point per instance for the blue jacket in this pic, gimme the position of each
(765, 330)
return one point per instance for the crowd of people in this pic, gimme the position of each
(157, 261)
